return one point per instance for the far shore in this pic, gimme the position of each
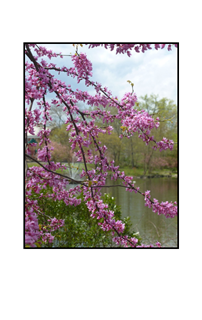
(136, 173)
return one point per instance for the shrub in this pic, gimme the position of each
(79, 229)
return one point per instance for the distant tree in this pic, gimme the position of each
(115, 146)
(60, 140)
(166, 110)
(57, 114)
(60, 135)
(61, 153)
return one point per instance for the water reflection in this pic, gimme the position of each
(151, 227)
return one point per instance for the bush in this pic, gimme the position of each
(79, 229)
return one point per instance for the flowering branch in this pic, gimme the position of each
(84, 133)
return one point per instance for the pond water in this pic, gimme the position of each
(151, 227)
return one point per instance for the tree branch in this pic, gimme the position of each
(59, 174)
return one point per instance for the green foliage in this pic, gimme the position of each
(133, 152)
(114, 145)
(60, 135)
(32, 164)
(80, 230)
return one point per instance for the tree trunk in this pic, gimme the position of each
(145, 163)
(149, 162)
(132, 153)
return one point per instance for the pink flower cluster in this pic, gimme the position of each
(31, 119)
(125, 47)
(47, 237)
(168, 209)
(32, 233)
(123, 241)
(83, 67)
(56, 224)
(164, 144)
(158, 245)
(42, 51)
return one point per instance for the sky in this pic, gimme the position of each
(152, 72)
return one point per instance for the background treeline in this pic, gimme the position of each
(127, 153)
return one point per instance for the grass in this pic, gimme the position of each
(135, 172)
(132, 171)
(32, 164)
